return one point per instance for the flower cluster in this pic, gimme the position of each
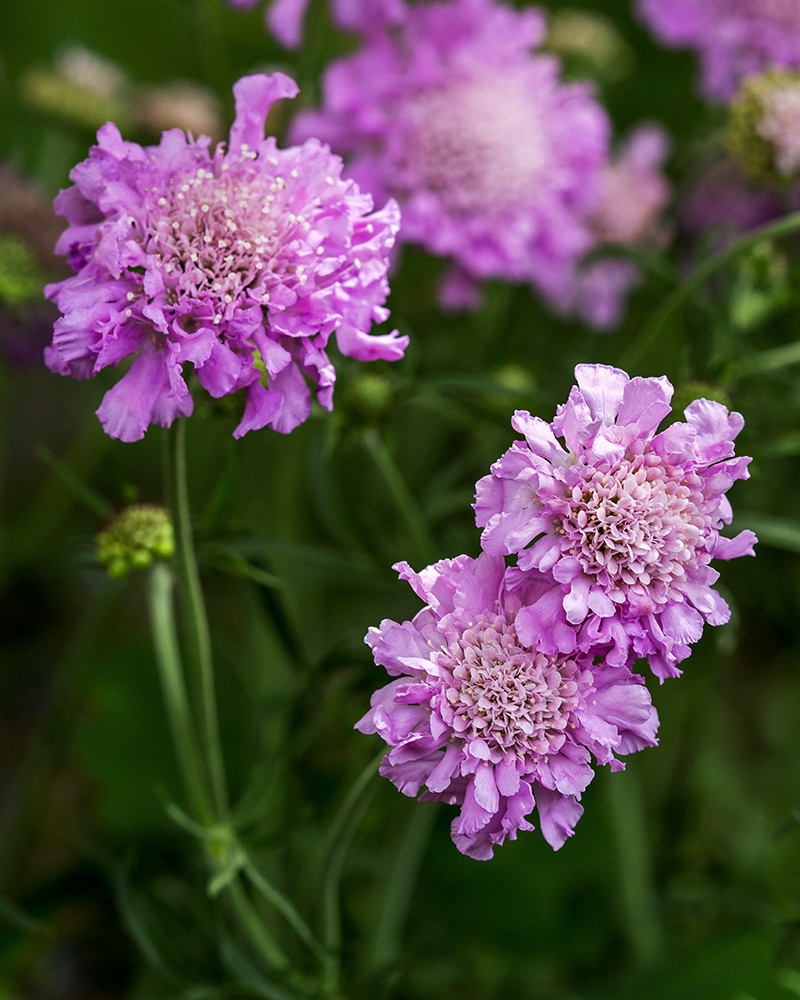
(240, 262)
(735, 37)
(624, 520)
(512, 678)
(482, 716)
(498, 165)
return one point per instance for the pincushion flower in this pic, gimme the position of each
(624, 519)
(240, 262)
(284, 18)
(734, 37)
(479, 716)
(633, 195)
(495, 162)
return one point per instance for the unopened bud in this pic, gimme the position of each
(370, 394)
(135, 538)
(764, 128)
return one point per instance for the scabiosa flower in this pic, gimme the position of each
(240, 262)
(735, 37)
(284, 18)
(481, 717)
(625, 520)
(764, 128)
(633, 195)
(495, 162)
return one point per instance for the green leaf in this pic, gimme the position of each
(778, 532)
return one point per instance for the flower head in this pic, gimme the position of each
(764, 128)
(483, 718)
(241, 262)
(735, 37)
(633, 195)
(135, 538)
(495, 162)
(625, 520)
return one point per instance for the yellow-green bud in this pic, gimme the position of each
(690, 391)
(136, 537)
(764, 128)
(20, 277)
(589, 44)
(369, 394)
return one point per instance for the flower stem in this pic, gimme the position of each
(160, 586)
(341, 836)
(400, 886)
(673, 303)
(635, 866)
(198, 635)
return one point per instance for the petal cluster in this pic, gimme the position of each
(240, 261)
(480, 716)
(735, 38)
(623, 519)
(496, 162)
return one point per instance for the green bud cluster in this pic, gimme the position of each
(20, 277)
(755, 154)
(136, 537)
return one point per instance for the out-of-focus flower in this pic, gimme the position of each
(241, 263)
(589, 44)
(136, 537)
(284, 18)
(82, 87)
(735, 38)
(496, 163)
(626, 520)
(633, 195)
(180, 104)
(482, 717)
(764, 128)
(28, 231)
(722, 200)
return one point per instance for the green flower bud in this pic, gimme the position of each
(20, 277)
(135, 538)
(588, 44)
(690, 391)
(764, 128)
(369, 394)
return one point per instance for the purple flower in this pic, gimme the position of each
(284, 18)
(240, 262)
(735, 37)
(483, 718)
(633, 196)
(496, 163)
(625, 520)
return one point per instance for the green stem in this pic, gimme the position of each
(160, 585)
(286, 907)
(675, 301)
(341, 836)
(400, 886)
(198, 635)
(638, 896)
(268, 947)
(401, 494)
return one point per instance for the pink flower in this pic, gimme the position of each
(284, 18)
(496, 162)
(479, 716)
(241, 263)
(735, 38)
(626, 521)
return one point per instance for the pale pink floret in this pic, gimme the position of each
(634, 194)
(239, 262)
(624, 519)
(479, 718)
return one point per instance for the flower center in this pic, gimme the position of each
(640, 522)
(217, 230)
(479, 144)
(513, 698)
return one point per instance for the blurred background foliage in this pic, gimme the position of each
(684, 877)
